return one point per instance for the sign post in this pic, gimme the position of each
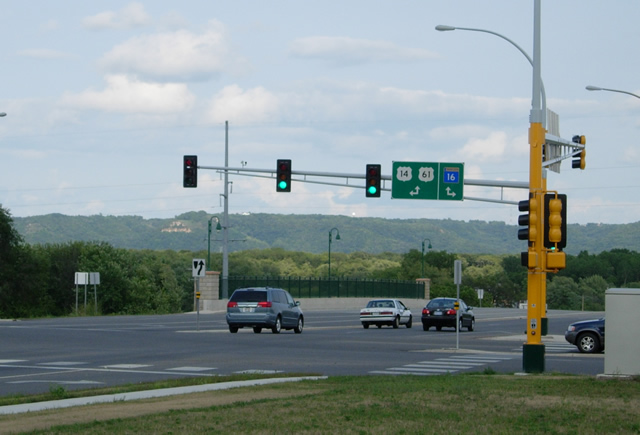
(457, 280)
(198, 270)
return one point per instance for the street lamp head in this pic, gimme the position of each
(338, 236)
(443, 28)
(593, 88)
(2, 114)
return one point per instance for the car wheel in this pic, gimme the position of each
(298, 329)
(472, 325)
(589, 343)
(396, 322)
(278, 326)
(425, 327)
(257, 329)
(410, 322)
(233, 329)
(365, 325)
(460, 326)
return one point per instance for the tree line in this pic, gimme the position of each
(38, 280)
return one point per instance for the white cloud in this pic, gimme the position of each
(132, 15)
(179, 55)
(495, 147)
(349, 51)
(243, 106)
(129, 95)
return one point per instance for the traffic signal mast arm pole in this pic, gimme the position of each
(533, 349)
(253, 172)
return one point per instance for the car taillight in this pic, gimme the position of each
(264, 304)
(231, 304)
(386, 313)
(425, 312)
(451, 312)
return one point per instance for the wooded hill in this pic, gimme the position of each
(310, 233)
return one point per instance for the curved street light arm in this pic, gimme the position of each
(444, 28)
(597, 88)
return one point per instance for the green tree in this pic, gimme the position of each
(563, 294)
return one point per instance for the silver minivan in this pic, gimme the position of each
(264, 307)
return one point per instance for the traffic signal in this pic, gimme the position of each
(373, 188)
(580, 162)
(530, 220)
(555, 222)
(283, 176)
(190, 171)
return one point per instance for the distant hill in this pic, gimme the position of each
(310, 233)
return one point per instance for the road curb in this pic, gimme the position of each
(148, 394)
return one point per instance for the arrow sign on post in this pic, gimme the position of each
(198, 268)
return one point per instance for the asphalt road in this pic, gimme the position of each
(37, 355)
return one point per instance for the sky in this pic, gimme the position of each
(104, 98)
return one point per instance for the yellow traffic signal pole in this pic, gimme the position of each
(533, 349)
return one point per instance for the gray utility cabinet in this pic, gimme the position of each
(622, 313)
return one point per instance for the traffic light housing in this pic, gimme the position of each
(373, 178)
(555, 222)
(283, 175)
(190, 171)
(529, 220)
(580, 162)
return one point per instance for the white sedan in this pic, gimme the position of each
(390, 312)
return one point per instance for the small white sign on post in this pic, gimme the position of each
(457, 272)
(94, 278)
(82, 278)
(198, 268)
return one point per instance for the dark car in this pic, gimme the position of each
(264, 307)
(587, 335)
(441, 312)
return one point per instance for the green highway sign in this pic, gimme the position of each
(427, 180)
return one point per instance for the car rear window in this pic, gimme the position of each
(249, 296)
(440, 304)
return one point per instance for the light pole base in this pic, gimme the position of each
(533, 358)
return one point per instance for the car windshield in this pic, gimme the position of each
(249, 296)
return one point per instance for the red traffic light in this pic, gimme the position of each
(190, 171)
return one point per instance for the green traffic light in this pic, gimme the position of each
(372, 190)
(282, 185)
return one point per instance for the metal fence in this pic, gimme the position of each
(334, 288)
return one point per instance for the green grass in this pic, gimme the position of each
(470, 403)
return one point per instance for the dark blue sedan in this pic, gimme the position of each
(587, 335)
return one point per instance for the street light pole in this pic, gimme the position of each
(423, 240)
(337, 238)
(218, 228)
(597, 88)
